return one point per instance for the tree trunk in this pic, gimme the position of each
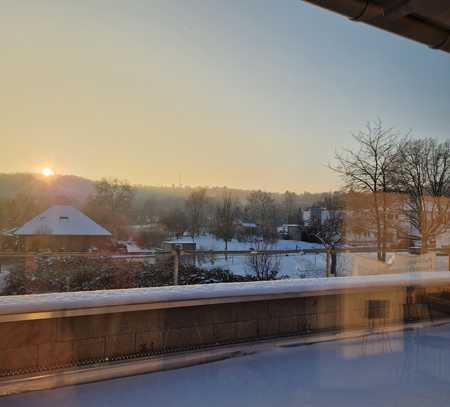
(384, 241)
(381, 256)
(226, 249)
(424, 232)
(424, 244)
(333, 267)
(327, 270)
(176, 265)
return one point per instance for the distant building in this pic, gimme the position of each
(290, 231)
(179, 244)
(248, 225)
(246, 230)
(62, 228)
(315, 216)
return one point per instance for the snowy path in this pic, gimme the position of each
(406, 369)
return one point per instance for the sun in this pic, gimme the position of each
(47, 172)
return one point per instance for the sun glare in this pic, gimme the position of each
(47, 172)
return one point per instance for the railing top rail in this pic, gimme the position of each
(201, 252)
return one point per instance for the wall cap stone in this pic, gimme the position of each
(57, 305)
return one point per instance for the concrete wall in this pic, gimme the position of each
(34, 344)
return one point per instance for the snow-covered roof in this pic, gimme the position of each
(62, 220)
(286, 226)
(248, 224)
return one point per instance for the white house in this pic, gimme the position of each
(62, 227)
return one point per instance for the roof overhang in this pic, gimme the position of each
(424, 21)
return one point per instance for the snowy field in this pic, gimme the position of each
(410, 368)
(208, 242)
(292, 265)
(301, 265)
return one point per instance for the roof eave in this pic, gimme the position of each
(408, 26)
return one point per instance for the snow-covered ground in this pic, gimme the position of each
(293, 265)
(209, 242)
(410, 368)
(301, 265)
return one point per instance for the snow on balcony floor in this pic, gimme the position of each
(410, 368)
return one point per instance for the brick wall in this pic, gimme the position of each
(50, 343)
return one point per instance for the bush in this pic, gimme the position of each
(75, 273)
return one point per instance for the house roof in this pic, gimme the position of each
(248, 225)
(425, 21)
(62, 220)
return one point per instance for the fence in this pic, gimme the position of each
(299, 263)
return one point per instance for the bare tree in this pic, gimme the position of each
(224, 225)
(370, 169)
(290, 207)
(196, 206)
(111, 204)
(263, 265)
(147, 212)
(175, 222)
(425, 177)
(330, 231)
(262, 209)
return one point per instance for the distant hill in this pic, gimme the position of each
(78, 189)
(69, 186)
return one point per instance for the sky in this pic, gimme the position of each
(254, 94)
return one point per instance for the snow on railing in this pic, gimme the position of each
(86, 302)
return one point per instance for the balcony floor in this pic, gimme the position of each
(409, 368)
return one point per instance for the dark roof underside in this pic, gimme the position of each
(424, 21)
